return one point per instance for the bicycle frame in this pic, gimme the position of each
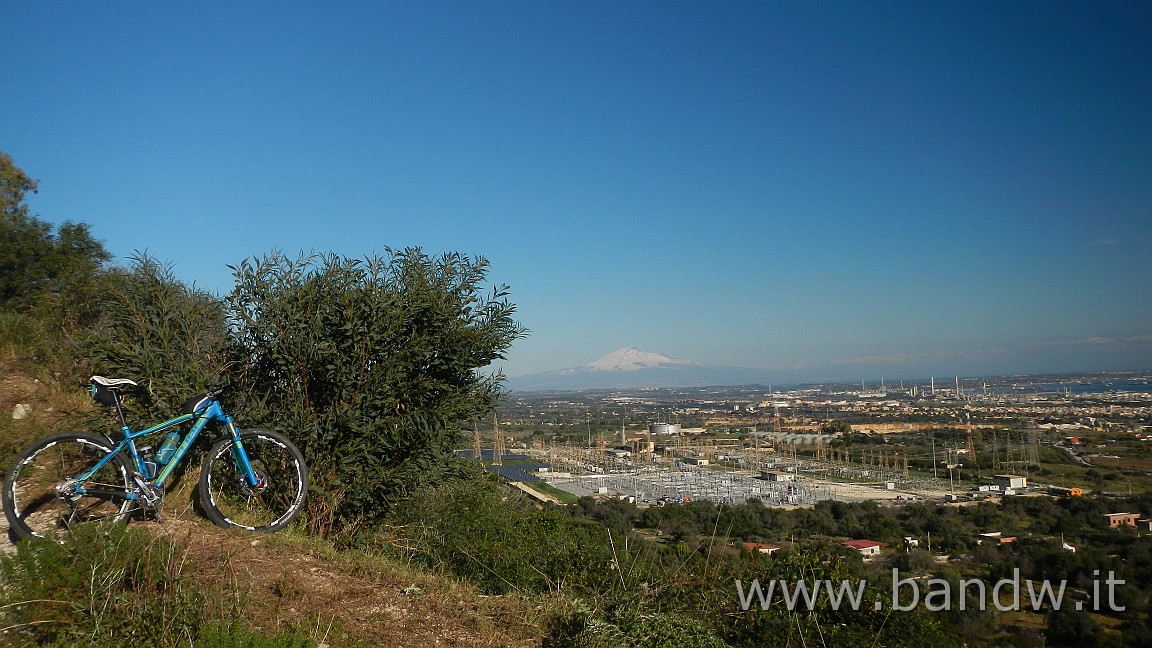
(213, 412)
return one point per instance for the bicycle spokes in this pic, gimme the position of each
(46, 498)
(275, 498)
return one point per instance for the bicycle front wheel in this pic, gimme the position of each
(44, 496)
(230, 500)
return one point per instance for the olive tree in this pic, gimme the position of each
(369, 366)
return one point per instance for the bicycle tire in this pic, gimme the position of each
(227, 499)
(33, 500)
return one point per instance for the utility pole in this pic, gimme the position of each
(951, 464)
(934, 475)
(971, 447)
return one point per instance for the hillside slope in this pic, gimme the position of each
(344, 598)
(339, 598)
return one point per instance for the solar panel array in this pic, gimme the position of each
(486, 455)
(519, 472)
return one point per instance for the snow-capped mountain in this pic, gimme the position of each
(632, 359)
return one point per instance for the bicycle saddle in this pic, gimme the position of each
(104, 389)
(112, 383)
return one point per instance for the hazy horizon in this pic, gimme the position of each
(785, 378)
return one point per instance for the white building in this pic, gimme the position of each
(1010, 481)
(778, 476)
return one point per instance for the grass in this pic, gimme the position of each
(109, 585)
(548, 489)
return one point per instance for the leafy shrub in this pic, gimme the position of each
(150, 327)
(19, 331)
(472, 528)
(369, 366)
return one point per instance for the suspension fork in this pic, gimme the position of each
(241, 455)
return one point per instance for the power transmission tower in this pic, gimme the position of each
(971, 445)
(498, 444)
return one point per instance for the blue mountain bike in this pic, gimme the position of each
(250, 479)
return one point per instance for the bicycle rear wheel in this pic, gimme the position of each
(228, 499)
(42, 497)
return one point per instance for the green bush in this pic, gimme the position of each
(369, 366)
(472, 528)
(19, 331)
(150, 327)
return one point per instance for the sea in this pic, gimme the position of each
(1140, 385)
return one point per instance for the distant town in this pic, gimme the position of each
(948, 440)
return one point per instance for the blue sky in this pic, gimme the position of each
(831, 190)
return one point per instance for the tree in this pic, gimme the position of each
(370, 366)
(835, 427)
(1070, 627)
(14, 183)
(33, 257)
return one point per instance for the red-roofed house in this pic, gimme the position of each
(865, 547)
(756, 547)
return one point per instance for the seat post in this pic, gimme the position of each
(119, 412)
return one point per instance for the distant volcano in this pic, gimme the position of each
(632, 359)
(631, 368)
